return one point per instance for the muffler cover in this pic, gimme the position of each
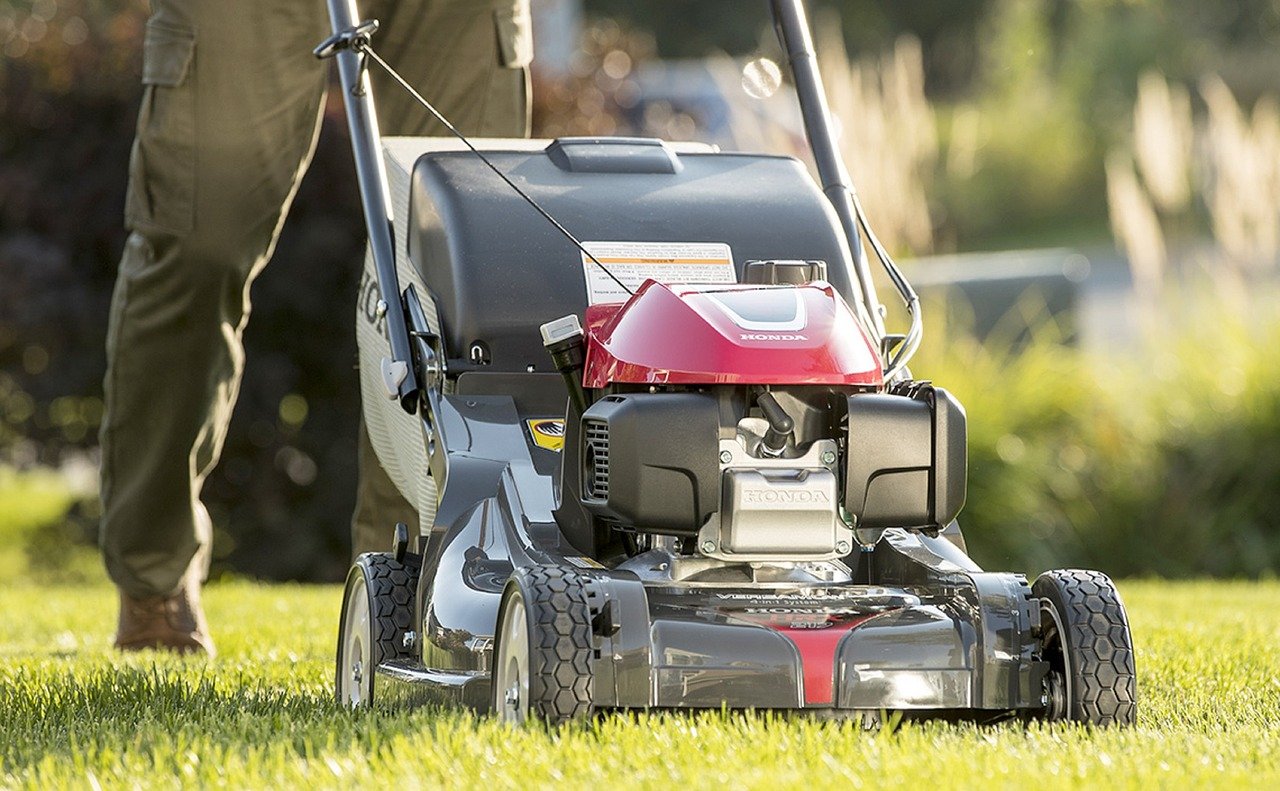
(779, 512)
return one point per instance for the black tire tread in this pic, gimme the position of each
(561, 644)
(392, 587)
(1100, 644)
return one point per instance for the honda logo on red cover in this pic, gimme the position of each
(771, 336)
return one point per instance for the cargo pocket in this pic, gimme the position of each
(515, 34)
(162, 166)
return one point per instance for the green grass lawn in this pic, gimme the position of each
(73, 713)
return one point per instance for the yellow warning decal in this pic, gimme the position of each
(547, 433)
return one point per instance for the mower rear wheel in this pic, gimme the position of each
(544, 653)
(377, 610)
(1086, 639)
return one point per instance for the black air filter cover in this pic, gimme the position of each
(907, 459)
(650, 461)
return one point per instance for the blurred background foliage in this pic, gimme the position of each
(1159, 462)
(970, 125)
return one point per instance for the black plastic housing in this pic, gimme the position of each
(907, 459)
(649, 461)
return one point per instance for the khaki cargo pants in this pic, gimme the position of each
(230, 115)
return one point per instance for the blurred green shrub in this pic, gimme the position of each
(1161, 461)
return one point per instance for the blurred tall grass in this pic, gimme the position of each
(1198, 193)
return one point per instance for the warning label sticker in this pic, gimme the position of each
(547, 433)
(666, 262)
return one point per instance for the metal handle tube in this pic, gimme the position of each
(375, 192)
(793, 32)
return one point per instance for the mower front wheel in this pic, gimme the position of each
(543, 657)
(1085, 638)
(377, 609)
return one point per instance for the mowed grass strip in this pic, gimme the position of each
(75, 714)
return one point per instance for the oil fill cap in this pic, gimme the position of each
(784, 272)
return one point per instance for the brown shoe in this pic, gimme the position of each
(170, 623)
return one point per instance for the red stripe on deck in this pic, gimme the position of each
(817, 644)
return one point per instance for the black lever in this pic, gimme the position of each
(356, 39)
(351, 38)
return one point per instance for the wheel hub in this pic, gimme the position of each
(354, 685)
(1056, 696)
(511, 665)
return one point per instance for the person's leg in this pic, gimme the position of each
(228, 122)
(470, 59)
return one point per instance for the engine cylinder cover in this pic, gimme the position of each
(779, 512)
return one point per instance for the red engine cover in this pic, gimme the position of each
(741, 334)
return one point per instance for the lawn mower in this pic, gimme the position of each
(664, 452)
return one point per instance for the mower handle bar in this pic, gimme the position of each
(375, 191)
(797, 41)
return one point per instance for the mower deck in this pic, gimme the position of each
(798, 644)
